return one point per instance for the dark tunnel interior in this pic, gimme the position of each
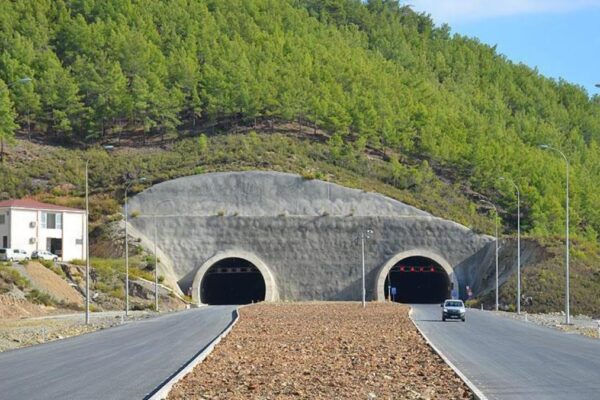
(232, 281)
(417, 280)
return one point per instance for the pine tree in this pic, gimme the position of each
(7, 119)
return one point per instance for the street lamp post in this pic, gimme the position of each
(366, 234)
(128, 184)
(156, 254)
(87, 246)
(567, 283)
(518, 244)
(496, 220)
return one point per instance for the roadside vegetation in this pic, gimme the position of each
(543, 283)
(10, 277)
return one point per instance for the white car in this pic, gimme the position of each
(44, 255)
(453, 309)
(13, 255)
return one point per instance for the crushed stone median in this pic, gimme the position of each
(322, 351)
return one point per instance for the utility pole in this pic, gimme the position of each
(496, 220)
(127, 185)
(366, 234)
(567, 283)
(87, 246)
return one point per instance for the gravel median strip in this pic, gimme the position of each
(322, 351)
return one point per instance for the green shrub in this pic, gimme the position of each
(37, 297)
(136, 272)
(117, 293)
(473, 303)
(309, 175)
(13, 277)
(53, 267)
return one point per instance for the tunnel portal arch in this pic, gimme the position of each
(250, 261)
(437, 260)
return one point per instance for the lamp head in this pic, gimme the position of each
(25, 79)
(544, 146)
(108, 147)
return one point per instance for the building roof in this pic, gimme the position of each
(34, 205)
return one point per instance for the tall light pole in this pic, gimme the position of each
(496, 220)
(87, 247)
(365, 234)
(156, 254)
(127, 185)
(567, 283)
(518, 243)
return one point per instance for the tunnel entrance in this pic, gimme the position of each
(232, 281)
(418, 280)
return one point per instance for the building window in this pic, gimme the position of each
(2, 219)
(78, 241)
(51, 220)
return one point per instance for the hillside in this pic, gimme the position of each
(366, 94)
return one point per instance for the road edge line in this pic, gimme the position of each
(166, 387)
(476, 392)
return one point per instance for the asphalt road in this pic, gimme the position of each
(508, 359)
(126, 362)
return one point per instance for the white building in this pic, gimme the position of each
(30, 225)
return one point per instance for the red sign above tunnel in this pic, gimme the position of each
(417, 269)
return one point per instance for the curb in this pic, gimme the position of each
(163, 390)
(476, 392)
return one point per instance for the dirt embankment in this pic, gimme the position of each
(322, 351)
(12, 307)
(47, 281)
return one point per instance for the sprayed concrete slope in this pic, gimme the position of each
(299, 233)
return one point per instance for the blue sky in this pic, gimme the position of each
(559, 37)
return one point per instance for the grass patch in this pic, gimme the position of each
(52, 266)
(37, 297)
(11, 276)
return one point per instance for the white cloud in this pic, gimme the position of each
(465, 10)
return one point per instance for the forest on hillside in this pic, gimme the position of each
(368, 73)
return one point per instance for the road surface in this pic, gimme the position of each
(126, 362)
(508, 359)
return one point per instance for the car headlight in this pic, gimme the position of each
(445, 310)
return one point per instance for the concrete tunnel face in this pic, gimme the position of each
(297, 233)
(416, 279)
